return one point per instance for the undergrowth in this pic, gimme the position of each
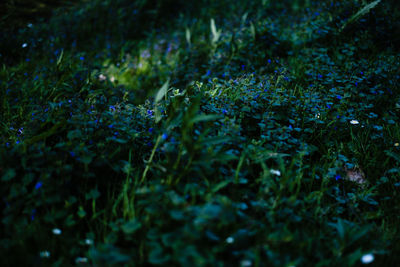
(200, 133)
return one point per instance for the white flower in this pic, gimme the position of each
(396, 144)
(354, 122)
(24, 45)
(44, 254)
(102, 77)
(245, 263)
(89, 242)
(367, 258)
(56, 231)
(230, 240)
(112, 79)
(318, 115)
(81, 260)
(276, 172)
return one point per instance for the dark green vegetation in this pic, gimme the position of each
(242, 158)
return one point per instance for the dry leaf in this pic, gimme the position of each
(355, 175)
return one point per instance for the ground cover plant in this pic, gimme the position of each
(200, 133)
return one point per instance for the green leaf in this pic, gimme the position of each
(131, 227)
(363, 11)
(157, 255)
(220, 185)
(393, 155)
(188, 36)
(81, 212)
(162, 92)
(204, 117)
(93, 194)
(60, 57)
(10, 173)
(75, 134)
(216, 140)
(216, 34)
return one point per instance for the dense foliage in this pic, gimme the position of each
(200, 133)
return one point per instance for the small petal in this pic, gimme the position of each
(44, 254)
(230, 240)
(81, 260)
(367, 258)
(245, 263)
(354, 122)
(276, 172)
(56, 231)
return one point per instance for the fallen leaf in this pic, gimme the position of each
(355, 175)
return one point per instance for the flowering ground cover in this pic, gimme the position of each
(200, 133)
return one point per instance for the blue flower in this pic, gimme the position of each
(33, 214)
(164, 136)
(82, 58)
(38, 185)
(151, 130)
(338, 177)
(339, 97)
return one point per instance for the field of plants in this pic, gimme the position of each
(200, 133)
